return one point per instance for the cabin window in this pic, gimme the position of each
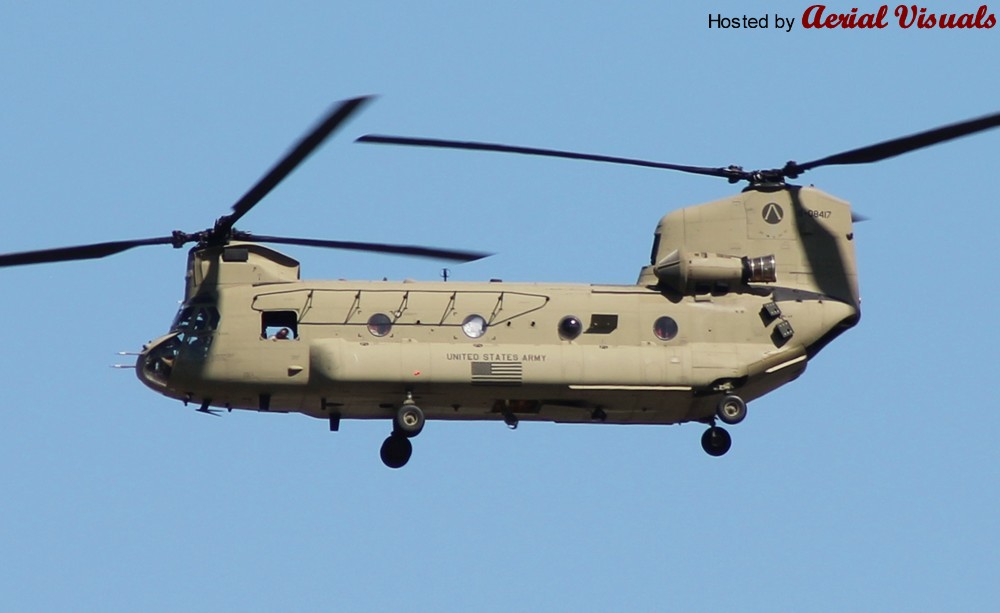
(379, 324)
(665, 328)
(279, 325)
(602, 324)
(474, 326)
(569, 328)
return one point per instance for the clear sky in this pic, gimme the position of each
(869, 483)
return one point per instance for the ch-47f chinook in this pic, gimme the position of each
(738, 296)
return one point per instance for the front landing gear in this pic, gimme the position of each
(716, 441)
(408, 422)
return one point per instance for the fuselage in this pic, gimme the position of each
(639, 356)
(251, 335)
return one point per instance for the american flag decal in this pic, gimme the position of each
(497, 373)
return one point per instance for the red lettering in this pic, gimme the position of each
(907, 16)
(912, 14)
(990, 21)
(903, 12)
(882, 12)
(877, 20)
(813, 17)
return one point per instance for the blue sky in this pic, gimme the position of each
(870, 482)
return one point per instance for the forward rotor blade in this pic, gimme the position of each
(905, 144)
(309, 143)
(80, 252)
(476, 146)
(410, 250)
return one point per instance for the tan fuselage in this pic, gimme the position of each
(357, 349)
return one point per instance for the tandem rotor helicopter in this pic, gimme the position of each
(739, 294)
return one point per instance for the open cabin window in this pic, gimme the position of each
(279, 325)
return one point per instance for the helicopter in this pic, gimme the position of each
(737, 298)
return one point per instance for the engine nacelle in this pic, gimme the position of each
(684, 271)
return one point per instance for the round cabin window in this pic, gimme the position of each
(474, 326)
(569, 328)
(379, 324)
(665, 328)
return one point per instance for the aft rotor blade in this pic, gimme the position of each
(477, 146)
(410, 250)
(309, 143)
(905, 144)
(80, 252)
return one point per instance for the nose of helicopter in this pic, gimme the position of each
(156, 362)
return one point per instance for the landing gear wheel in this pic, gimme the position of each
(396, 451)
(716, 441)
(409, 421)
(731, 410)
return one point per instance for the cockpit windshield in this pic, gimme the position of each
(188, 341)
(196, 318)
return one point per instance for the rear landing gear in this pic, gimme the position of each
(396, 451)
(716, 441)
(731, 410)
(408, 422)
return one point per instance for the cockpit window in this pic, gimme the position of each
(200, 321)
(196, 318)
(205, 318)
(183, 319)
(193, 331)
